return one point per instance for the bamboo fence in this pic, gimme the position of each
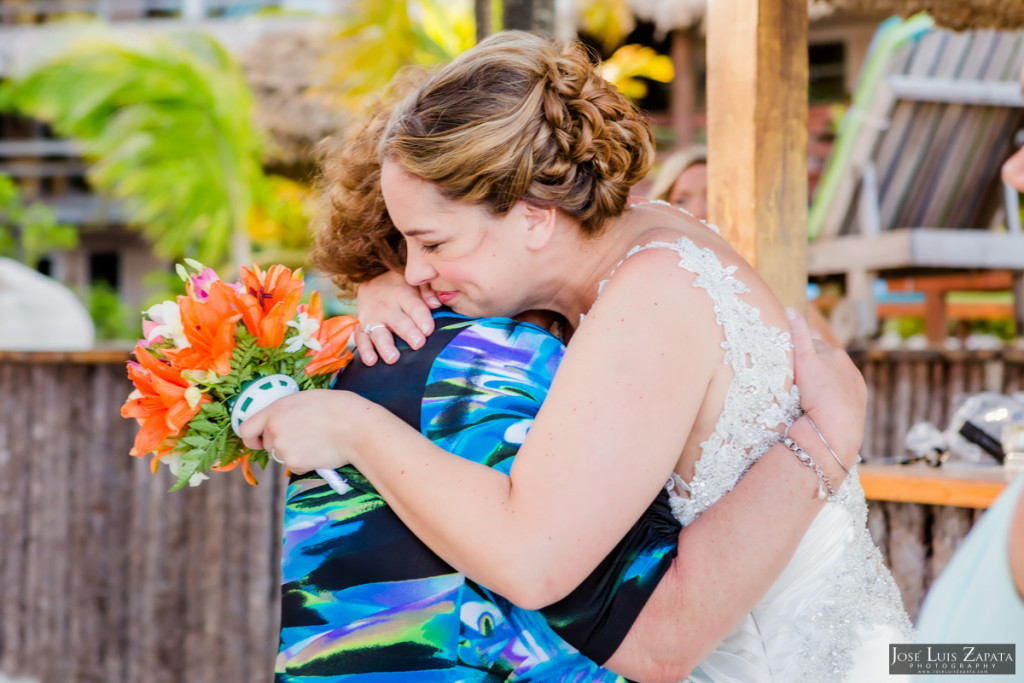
(104, 576)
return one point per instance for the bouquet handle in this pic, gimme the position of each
(334, 480)
(259, 394)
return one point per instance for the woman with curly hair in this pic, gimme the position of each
(507, 175)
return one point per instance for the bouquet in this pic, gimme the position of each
(219, 354)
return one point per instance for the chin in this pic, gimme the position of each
(474, 309)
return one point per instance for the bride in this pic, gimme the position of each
(507, 174)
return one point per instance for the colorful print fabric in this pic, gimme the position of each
(363, 599)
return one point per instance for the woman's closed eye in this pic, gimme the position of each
(429, 248)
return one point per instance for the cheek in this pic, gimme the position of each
(481, 268)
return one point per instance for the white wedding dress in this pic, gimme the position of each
(835, 609)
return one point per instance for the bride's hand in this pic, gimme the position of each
(832, 390)
(309, 430)
(389, 306)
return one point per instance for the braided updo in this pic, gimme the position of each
(519, 118)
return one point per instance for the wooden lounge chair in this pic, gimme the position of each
(913, 186)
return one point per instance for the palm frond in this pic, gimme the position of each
(169, 129)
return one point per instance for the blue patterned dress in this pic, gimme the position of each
(364, 600)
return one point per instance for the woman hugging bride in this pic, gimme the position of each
(506, 176)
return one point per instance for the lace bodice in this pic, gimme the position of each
(827, 600)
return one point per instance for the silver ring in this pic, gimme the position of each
(370, 328)
(273, 456)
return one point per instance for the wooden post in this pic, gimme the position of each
(935, 316)
(529, 15)
(544, 17)
(517, 15)
(482, 13)
(757, 135)
(1018, 302)
(682, 87)
(860, 289)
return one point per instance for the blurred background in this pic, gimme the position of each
(135, 133)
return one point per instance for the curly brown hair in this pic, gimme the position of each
(517, 117)
(354, 239)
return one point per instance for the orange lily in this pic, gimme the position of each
(161, 407)
(210, 329)
(245, 461)
(333, 335)
(269, 300)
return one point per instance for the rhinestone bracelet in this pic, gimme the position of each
(824, 483)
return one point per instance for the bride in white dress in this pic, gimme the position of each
(507, 173)
(835, 609)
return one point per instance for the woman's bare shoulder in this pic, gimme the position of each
(664, 258)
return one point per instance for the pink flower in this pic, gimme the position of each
(150, 333)
(198, 285)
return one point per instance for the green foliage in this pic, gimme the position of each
(113, 319)
(29, 231)
(1004, 329)
(610, 21)
(169, 128)
(379, 37)
(280, 225)
(208, 436)
(905, 326)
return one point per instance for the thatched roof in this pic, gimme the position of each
(955, 14)
(1008, 15)
(669, 15)
(287, 72)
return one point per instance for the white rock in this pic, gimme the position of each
(38, 313)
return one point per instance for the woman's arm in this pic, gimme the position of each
(601, 448)
(571, 495)
(1016, 547)
(776, 498)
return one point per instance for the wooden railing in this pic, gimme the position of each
(106, 577)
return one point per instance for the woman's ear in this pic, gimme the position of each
(540, 225)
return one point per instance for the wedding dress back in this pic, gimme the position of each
(834, 610)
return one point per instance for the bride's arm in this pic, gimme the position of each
(723, 567)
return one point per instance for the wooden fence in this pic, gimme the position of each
(905, 387)
(106, 577)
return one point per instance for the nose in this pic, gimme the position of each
(417, 270)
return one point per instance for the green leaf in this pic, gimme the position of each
(203, 426)
(169, 127)
(198, 441)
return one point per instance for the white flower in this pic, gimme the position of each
(173, 462)
(207, 377)
(167, 317)
(307, 328)
(193, 395)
